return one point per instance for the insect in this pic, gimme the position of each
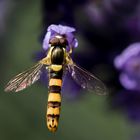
(57, 61)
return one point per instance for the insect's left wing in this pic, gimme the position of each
(85, 79)
(24, 79)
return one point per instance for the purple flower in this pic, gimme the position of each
(129, 64)
(54, 30)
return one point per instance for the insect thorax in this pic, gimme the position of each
(57, 55)
(58, 44)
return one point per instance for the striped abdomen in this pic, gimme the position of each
(54, 97)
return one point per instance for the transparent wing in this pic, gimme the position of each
(24, 79)
(86, 80)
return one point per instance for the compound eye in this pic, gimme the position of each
(54, 41)
(63, 42)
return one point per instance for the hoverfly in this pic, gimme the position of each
(57, 61)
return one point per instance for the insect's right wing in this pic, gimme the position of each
(85, 79)
(26, 78)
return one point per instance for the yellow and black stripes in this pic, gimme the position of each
(55, 83)
(53, 111)
(54, 98)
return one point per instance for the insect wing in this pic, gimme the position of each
(24, 79)
(87, 80)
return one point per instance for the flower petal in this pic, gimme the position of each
(128, 82)
(46, 40)
(65, 29)
(131, 51)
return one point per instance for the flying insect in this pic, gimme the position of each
(57, 61)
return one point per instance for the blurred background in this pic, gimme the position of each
(108, 32)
